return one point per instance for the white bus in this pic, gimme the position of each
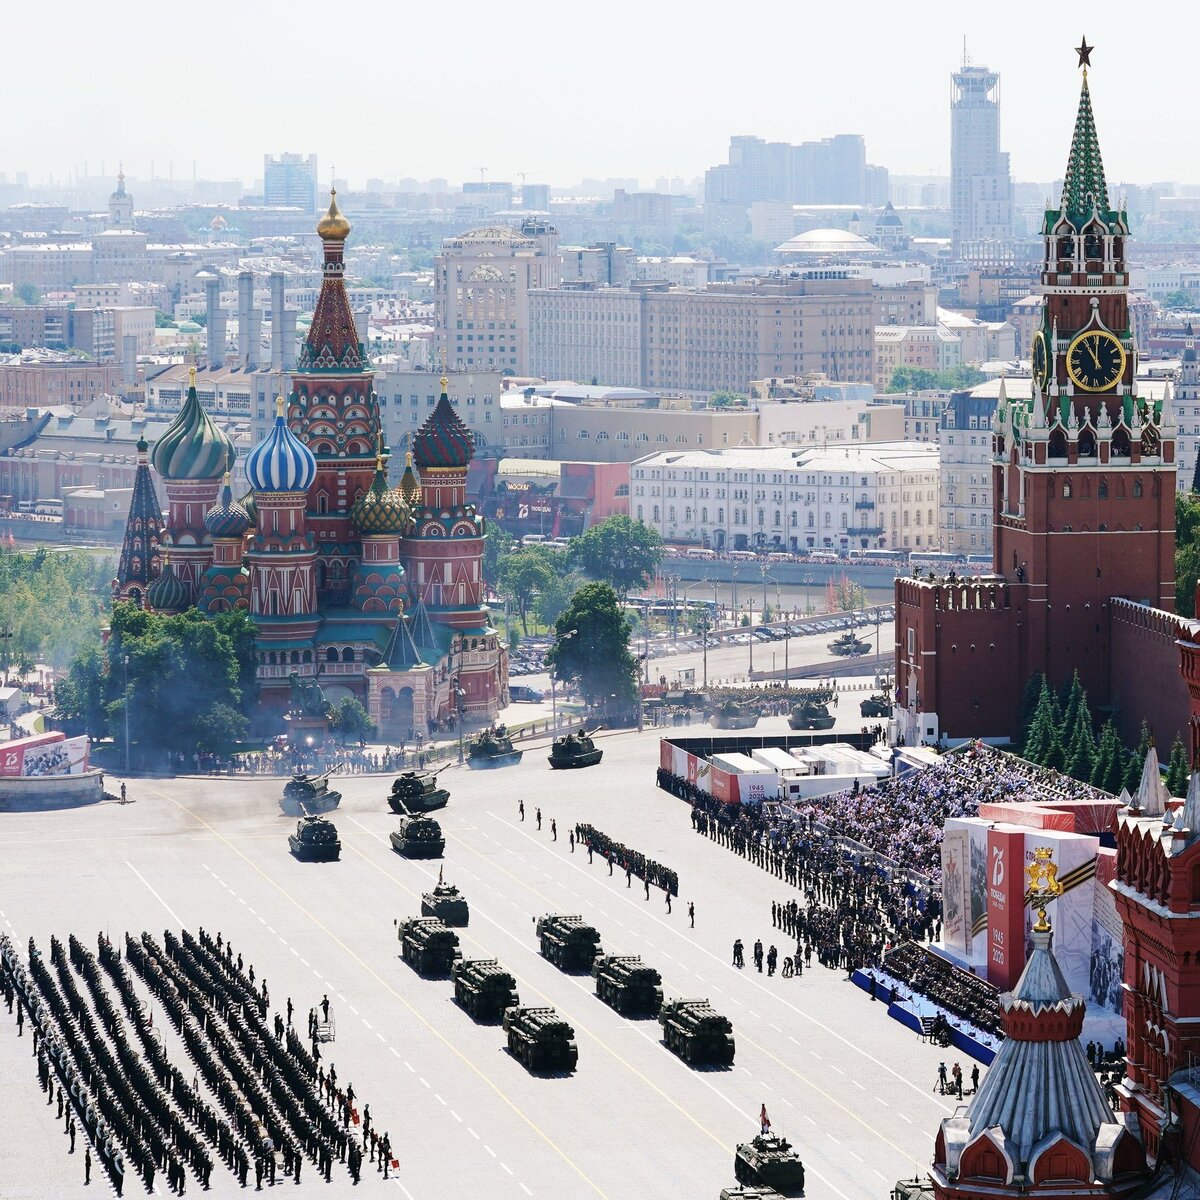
(699, 552)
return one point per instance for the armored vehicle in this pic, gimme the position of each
(446, 903)
(315, 840)
(541, 1039)
(877, 705)
(749, 1193)
(484, 988)
(731, 715)
(573, 751)
(492, 748)
(849, 645)
(567, 942)
(913, 1189)
(308, 796)
(812, 710)
(771, 1160)
(695, 1031)
(625, 983)
(418, 837)
(428, 946)
(417, 792)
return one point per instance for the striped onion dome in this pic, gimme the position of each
(281, 462)
(443, 441)
(249, 503)
(410, 489)
(168, 593)
(192, 446)
(380, 509)
(227, 518)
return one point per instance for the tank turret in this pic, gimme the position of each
(417, 792)
(492, 748)
(315, 840)
(418, 837)
(308, 795)
(574, 751)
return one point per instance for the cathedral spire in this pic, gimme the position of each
(143, 532)
(1084, 186)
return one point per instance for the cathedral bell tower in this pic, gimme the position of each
(1084, 469)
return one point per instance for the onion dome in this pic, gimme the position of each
(410, 489)
(281, 462)
(192, 446)
(333, 227)
(250, 504)
(443, 441)
(227, 518)
(380, 509)
(168, 593)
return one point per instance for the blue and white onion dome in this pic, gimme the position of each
(281, 462)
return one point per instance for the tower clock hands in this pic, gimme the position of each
(1092, 350)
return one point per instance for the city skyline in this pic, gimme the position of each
(895, 91)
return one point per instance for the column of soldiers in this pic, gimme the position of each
(630, 861)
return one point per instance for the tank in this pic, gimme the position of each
(849, 645)
(308, 796)
(568, 942)
(417, 792)
(484, 988)
(877, 705)
(731, 715)
(540, 1039)
(418, 837)
(695, 1031)
(574, 751)
(492, 748)
(446, 903)
(627, 984)
(428, 946)
(913, 1189)
(812, 710)
(771, 1160)
(315, 840)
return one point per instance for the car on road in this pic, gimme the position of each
(524, 694)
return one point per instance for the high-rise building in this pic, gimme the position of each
(290, 181)
(981, 197)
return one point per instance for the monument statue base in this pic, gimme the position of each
(303, 730)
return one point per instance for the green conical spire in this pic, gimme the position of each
(1084, 185)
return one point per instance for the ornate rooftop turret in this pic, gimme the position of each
(168, 593)
(1085, 189)
(192, 448)
(332, 343)
(333, 227)
(410, 489)
(380, 509)
(227, 518)
(143, 532)
(443, 441)
(281, 462)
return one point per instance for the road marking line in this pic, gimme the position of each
(439, 1099)
(525, 1190)
(489, 1149)
(152, 892)
(472, 1133)
(456, 1116)
(507, 1167)
(882, 1101)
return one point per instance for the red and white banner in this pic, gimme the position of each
(1006, 906)
(12, 754)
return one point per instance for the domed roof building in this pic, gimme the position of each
(192, 448)
(168, 593)
(226, 583)
(227, 518)
(380, 509)
(833, 244)
(281, 462)
(443, 442)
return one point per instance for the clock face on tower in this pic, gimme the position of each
(1041, 360)
(1095, 360)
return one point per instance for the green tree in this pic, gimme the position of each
(1108, 767)
(497, 544)
(1177, 770)
(1069, 702)
(619, 551)
(1080, 758)
(1187, 552)
(724, 398)
(1043, 728)
(524, 574)
(1181, 299)
(555, 595)
(349, 720)
(919, 379)
(218, 730)
(28, 293)
(591, 646)
(1029, 703)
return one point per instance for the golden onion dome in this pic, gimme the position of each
(410, 489)
(333, 227)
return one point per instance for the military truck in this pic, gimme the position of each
(315, 840)
(416, 792)
(771, 1160)
(446, 903)
(540, 1039)
(418, 837)
(627, 984)
(428, 946)
(484, 988)
(567, 942)
(695, 1031)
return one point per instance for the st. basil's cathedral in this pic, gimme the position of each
(372, 591)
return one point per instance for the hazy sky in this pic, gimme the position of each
(566, 90)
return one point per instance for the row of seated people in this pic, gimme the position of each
(957, 991)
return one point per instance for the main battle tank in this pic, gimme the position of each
(849, 645)
(428, 946)
(417, 792)
(484, 988)
(418, 837)
(574, 751)
(308, 796)
(812, 711)
(627, 984)
(540, 1039)
(315, 840)
(567, 942)
(446, 903)
(731, 715)
(877, 705)
(769, 1160)
(492, 748)
(695, 1031)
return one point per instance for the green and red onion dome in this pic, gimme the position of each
(443, 441)
(227, 518)
(192, 448)
(168, 593)
(380, 509)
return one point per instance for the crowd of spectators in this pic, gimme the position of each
(957, 991)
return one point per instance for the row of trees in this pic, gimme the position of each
(1059, 731)
(918, 379)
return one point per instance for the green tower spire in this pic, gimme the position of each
(1084, 185)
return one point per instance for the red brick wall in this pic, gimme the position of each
(1146, 681)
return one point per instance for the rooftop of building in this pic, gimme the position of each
(827, 242)
(878, 456)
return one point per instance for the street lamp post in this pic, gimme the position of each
(566, 637)
(125, 662)
(458, 695)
